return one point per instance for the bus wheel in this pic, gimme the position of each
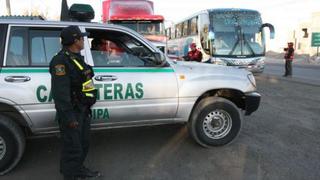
(12, 144)
(215, 121)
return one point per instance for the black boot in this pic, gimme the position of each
(70, 178)
(86, 172)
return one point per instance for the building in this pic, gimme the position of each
(302, 35)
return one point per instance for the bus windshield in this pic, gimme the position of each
(237, 33)
(144, 27)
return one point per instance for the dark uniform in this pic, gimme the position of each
(194, 54)
(73, 93)
(289, 58)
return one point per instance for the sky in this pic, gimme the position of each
(285, 15)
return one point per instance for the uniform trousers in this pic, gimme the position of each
(288, 68)
(75, 143)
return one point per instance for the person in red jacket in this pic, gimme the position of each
(288, 57)
(193, 55)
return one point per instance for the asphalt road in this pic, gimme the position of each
(279, 141)
(302, 73)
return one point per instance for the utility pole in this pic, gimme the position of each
(8, 7)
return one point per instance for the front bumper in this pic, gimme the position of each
(253, 68)
(252, 101)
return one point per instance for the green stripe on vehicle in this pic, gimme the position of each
(97, 70)
(24, 70)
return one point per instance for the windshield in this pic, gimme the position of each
(237, 33)
(144, 27)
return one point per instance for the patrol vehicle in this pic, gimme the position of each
(137, 85)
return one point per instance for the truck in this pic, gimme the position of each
(137, 15)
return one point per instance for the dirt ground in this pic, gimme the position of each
(279, 141)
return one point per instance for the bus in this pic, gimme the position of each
(137, 15)
(231, 37)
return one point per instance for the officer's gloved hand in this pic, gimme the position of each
(73, 124)
(186, 58)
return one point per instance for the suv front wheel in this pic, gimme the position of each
(12, 144)
(215, 121)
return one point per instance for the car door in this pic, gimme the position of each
(25, 79)
(130, 89)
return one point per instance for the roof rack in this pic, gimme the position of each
(23, 17)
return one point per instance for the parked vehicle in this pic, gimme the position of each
(137, 87)
(230, 37)
(137, 15)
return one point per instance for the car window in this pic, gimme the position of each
(106, 52)
(38, 44)
(117, 49)
(17, 53)
(44, 45)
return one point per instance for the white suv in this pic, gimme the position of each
(137, 86)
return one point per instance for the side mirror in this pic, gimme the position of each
(159, 59)
(271, 28)
(211, 35)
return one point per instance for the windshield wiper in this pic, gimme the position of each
(234, 46)
(241, 37)
(238, 30)
(246, 42)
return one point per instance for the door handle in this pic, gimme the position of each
(17, 78)
(105, 78)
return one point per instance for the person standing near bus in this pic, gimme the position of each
(288, 58)
(193, 55)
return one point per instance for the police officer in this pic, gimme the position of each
(73, 93)
(289, 58)
(194, 54)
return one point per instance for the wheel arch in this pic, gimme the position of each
(10, 110)
(233, 95)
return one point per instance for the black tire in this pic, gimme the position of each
(12, 144)
(215, 121)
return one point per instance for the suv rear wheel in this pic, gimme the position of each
(215, 121)
(12, 144)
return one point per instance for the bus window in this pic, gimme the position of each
(242, 35)
(193, 26)
(204, 32)
(168, 33)
(172, 30)
(178, 30)
(185, 29)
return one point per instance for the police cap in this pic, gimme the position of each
(193, 45)
(70, 34)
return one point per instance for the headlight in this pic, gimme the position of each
(260, 62)
(252, 79)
